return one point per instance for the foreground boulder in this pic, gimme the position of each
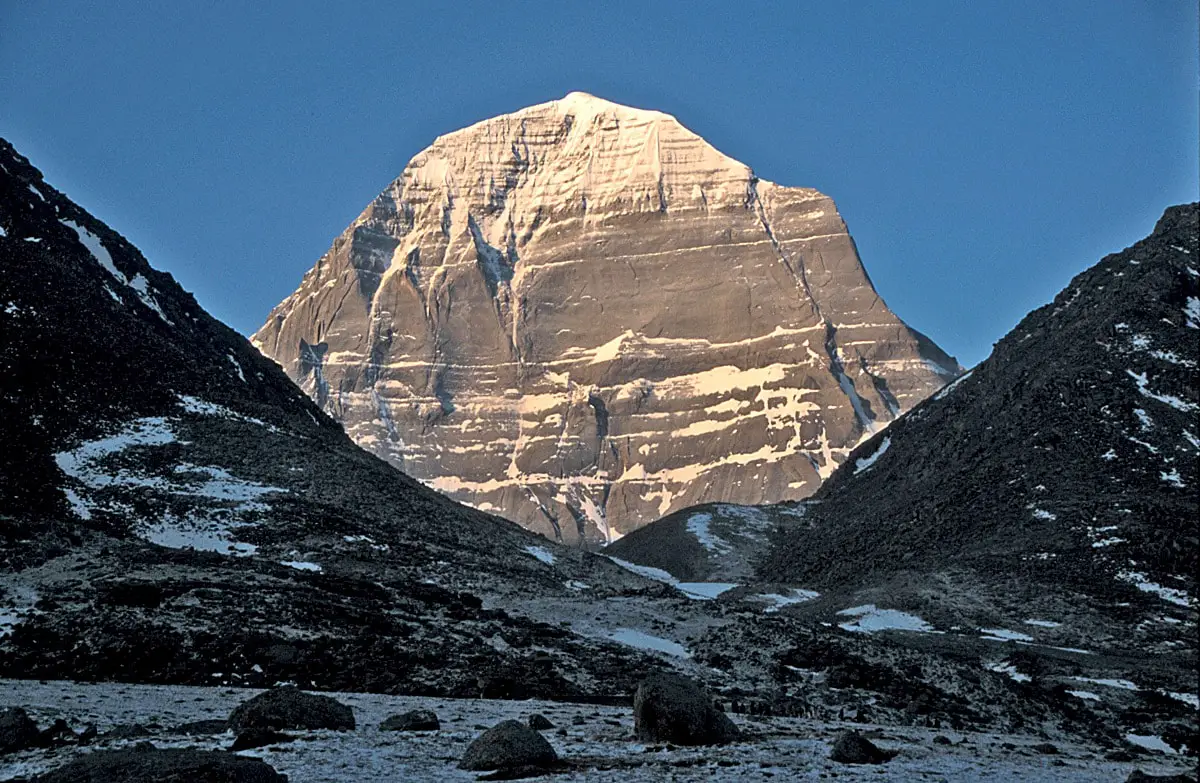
(163, 766)
(17, 730)
(413, 720)
(288, 707)
(850, 747)
(670, 708)
(1137, 776)
(257, 738)
(509, 745)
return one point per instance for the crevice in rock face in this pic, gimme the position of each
(370, 256)
(862, 409)
(312, 358)
(580, 521)
(601, 411)
(492, 263)
(754, 202)
(550, 517)
(380, 340)
(385, 416)
(881, 388)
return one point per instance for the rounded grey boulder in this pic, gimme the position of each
(17, 730)
(413, 720)
(539, 722)
(288, 707)
(177, 765)
(671, 708)
(509, 745)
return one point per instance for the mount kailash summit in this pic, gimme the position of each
(581, 316)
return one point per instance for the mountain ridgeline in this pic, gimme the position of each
(581, 316)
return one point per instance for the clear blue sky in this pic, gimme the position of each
(982, 152)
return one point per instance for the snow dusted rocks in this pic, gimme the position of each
(515, 321)
(175, 509)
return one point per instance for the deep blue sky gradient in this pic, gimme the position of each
(982, 153)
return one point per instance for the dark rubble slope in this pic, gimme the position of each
(174, 509)
(1068, 457)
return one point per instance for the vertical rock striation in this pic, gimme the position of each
(582, 316)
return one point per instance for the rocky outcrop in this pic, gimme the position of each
(581, 316)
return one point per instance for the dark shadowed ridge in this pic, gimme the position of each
(174, 509)
(1068, 457)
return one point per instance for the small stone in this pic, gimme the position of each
(413, 720)
(942, 740)
(850, 747)
(539, 722)
(257, 738)
(1045, 748)
(57, 735)
(1137, 776)
(201, 727)
(126, 731)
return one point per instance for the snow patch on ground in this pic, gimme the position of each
(657, 574)
(541, 553)
(1143, 386)
(1004, 635)
(645, 641)
(1085, 695)
(1007, 668)
(949, 387)
(1150, 742)
(1043, 623)
(862, 464)
(1142, 582)
(1124, 685)
(301, 565)
(698, 526)
(21, 600)
(212, 526)
(704, 591)
(1190, 699)
(872, 619)
(796, 596)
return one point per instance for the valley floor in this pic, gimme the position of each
(597, 742)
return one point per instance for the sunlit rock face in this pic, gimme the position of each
(582, 316)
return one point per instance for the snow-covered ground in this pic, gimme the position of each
(601, 748)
